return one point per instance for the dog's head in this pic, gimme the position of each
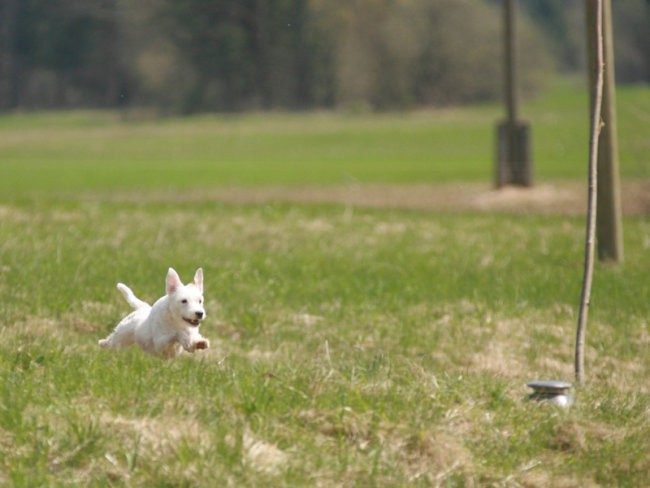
(186, 301)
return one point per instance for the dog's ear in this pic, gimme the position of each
(198, 279)
(173, 281)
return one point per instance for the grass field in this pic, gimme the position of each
(100, 152)
(350, 346)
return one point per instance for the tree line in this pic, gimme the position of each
(184, 56)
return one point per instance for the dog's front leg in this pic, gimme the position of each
(201, 343)
(192, 340)
(198, 340)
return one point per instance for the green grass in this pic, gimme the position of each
(349, 346)
(99, 151)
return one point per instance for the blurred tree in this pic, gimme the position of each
(562, 24)
(376, 53)
(189, 55)
(392, 54)
(9, 68)
(245, 54)
(632, 45)
(65, 52)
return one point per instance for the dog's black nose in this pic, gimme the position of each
(198, 314)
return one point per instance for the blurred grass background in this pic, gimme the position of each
(94, 151)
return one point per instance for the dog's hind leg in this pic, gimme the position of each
(130, 297)
(123, 335)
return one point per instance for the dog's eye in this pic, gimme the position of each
(183, 300)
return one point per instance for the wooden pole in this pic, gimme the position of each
(510, 56)
(513, 162)
(609, 227)
(594, 11)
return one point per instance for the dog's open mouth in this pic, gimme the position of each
(194, 322)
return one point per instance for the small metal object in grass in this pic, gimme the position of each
(551, 391)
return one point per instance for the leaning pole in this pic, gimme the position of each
(596, 59)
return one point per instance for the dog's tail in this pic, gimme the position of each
(130, 297)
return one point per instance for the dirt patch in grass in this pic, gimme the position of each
(563, 198)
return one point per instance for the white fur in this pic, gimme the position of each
(167, 327)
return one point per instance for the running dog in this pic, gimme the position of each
(168, 327)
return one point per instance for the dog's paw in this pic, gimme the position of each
(202, 344)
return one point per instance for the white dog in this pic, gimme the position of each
(167, 327)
